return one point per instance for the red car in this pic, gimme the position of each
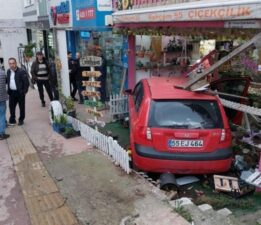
(178, 131)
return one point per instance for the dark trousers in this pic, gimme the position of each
(80, 89)
(55, 92)
(73, 87)
(14, 98)
(46, 84)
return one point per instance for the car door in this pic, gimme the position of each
(135, 101)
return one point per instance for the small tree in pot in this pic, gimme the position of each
(28, 51)
(69, 105)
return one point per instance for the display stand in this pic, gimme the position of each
(92, 103)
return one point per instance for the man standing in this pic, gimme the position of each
(3, 98)
(40, 74)
(72, 75)
(18, 85)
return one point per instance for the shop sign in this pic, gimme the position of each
(60, 14)
(235, 12)
(85, 14)
(243, 24)
(94, 113)
(91, 61)
(92, 83)
(91, 74)
(104, 5)
(91, 93)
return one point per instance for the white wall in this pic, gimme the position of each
(12, 29)
(11, 9)
(62, 49)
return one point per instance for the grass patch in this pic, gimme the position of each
(184, 213)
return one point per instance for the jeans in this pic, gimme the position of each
(46, 84)
(2, 117)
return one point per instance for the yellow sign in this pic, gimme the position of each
(92, 83)
(94, 113)
(91, 74)
(91, 93)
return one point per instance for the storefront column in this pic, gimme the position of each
(131, 62)
(62, 50)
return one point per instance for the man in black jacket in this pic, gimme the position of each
(18, 84)
(40, 74)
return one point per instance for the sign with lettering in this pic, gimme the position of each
(197, 13)
(104, 5)
(85, 14)
(92, 83)
(91, 93)
(91, 61)
(92, 103)
(91, 74)
(60, 14)
(94, 112)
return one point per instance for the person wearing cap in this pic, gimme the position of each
(40, 72)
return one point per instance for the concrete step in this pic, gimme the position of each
(205, 214)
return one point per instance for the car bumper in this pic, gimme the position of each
(148, 159)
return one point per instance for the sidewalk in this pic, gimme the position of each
(96, 191)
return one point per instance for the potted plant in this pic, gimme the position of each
(60, 123)
(28, 51)
(69, 105)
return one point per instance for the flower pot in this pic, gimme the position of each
(72, 113)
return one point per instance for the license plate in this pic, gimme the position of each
(172, 143)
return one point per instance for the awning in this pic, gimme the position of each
(208, 10)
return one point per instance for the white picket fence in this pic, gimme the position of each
(118, 104)
(106, 144)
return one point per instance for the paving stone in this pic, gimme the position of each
(224, 212)
(45, 204)
(205, 207)
(180, 202)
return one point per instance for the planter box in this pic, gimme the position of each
(60, 129)
(74, 134)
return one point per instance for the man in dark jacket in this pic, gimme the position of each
(18, 84)
(40, 74)
(72, 75)
(3, 99)
(78, 76)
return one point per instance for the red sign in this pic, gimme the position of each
(63, 18)
(85, 14)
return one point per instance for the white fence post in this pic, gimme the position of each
(104, 143)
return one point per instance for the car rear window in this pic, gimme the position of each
(185, 114)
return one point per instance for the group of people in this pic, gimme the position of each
(17, 86)
(75, 74)
(17, 81)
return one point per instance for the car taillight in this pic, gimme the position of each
(148, 133)
(225, 135)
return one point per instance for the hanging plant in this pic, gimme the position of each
(28, 50)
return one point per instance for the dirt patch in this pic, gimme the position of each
(97, 192)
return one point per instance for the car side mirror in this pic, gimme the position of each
(128, 91)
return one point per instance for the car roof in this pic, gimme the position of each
(164, 88)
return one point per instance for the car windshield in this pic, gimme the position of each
(185, 114)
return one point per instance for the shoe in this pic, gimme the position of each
(43, 104)
(75, 99)
(20, 123)
(11, 124)
(4, 136)
(80, 102)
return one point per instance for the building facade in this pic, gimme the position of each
(12, 30)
